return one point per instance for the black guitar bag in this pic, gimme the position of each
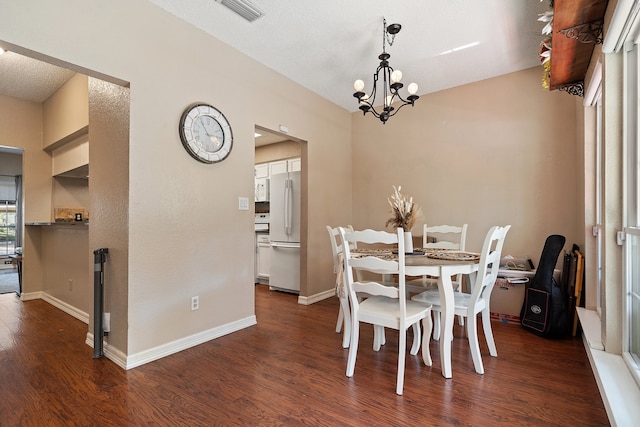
(544, 311)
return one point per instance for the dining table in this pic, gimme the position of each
(443, 265)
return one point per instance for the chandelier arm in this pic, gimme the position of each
(395, 110)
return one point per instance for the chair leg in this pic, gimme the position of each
(474, 346)
(340, 320)
(378, 337)
(402, 348)
(353, 348)
(427, 325)
(346, 314)
(458, 285)
(436, 325)
(416, 338)
(488, 333)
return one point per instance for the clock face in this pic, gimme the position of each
(205, 133)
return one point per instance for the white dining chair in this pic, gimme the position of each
(386, 306)
(446, 237)
(344, 320)
(343, 311)
(477, 301)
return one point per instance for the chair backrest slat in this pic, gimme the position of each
(456, 234)
(489, 263)
(336, 243)
(374, 264)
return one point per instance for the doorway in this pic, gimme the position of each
(10, 219)
(57, 254)
(278, 154)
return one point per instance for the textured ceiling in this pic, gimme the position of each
(28, 78)
(325, 46)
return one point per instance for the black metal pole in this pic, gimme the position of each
(99, 256)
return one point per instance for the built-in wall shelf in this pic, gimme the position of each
(58, 224)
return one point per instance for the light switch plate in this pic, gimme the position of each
(243, 203)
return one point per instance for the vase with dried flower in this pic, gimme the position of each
(405, 214)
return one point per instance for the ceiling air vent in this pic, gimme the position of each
(243, 8)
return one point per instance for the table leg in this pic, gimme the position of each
(445, 288)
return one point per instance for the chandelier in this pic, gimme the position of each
(390, 82)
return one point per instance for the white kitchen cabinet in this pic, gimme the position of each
(262, 170)
(294, 165)
(280, 166)
(263, 250)
(287, 165)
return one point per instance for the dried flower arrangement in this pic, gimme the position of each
(405, 212)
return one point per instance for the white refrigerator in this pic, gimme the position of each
(284, 232)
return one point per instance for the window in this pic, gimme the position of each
(7, 227)
(8, 217)
(631, 213)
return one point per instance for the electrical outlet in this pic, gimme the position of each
(195, 303)
(70, 284)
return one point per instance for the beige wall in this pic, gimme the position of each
(499, 151)
(21, 127)
(10, 164)
(70, 193)
(109, 203)
(66, 274)
(64, 117)
(185, 234)
(278, 151)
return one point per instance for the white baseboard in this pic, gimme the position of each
(176, 346)
(312, 299)
(67, 308)
(128, 362)
(110, 352)
(620, 393)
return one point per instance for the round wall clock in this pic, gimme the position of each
(205, 133)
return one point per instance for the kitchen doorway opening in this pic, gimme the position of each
(280, 175)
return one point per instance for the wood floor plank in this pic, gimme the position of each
(289, 369)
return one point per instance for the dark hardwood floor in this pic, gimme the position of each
(289, 369)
